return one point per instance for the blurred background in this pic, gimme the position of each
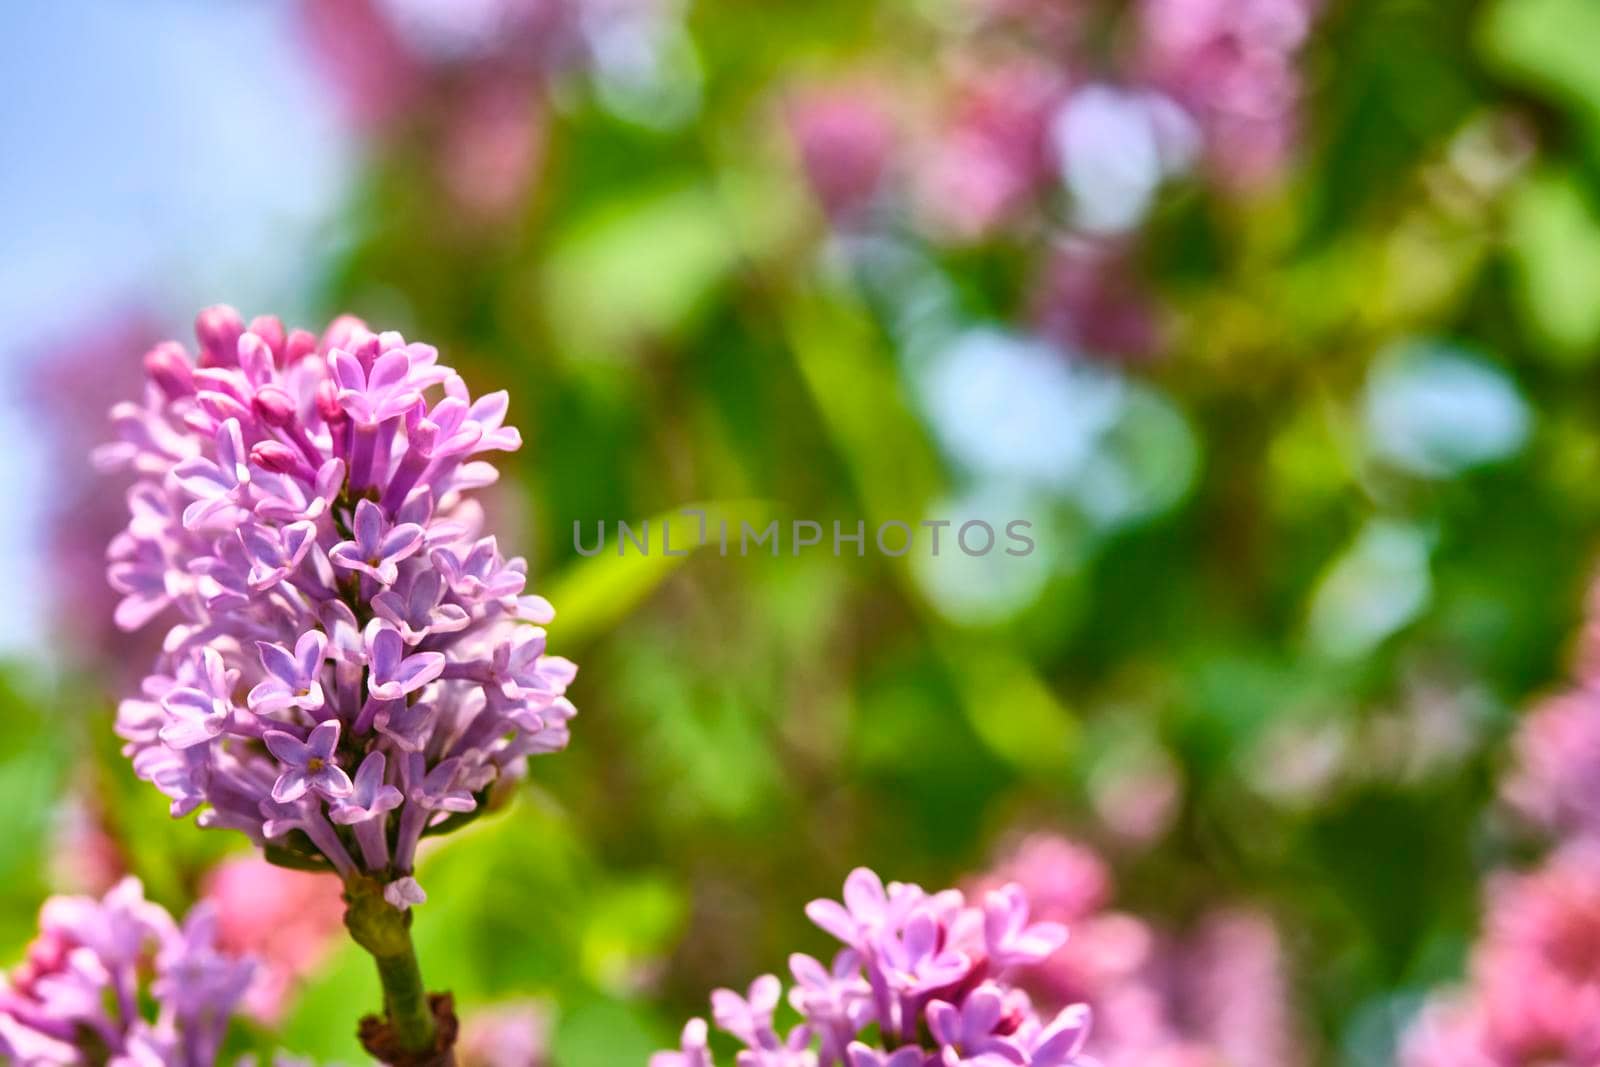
(1277, 319)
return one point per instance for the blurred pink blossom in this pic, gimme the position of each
(1092, 298)
(844, 137)
(1232, 975)
(287, 920)
(515, 1034)
(1216, 995)
(1554, 781)
(1233, 65)
(73, 383)
(1064, 881)
(1533, 993)
(988, 155)
(84, 856)
(493, 148)
(468, 79)
(374, 75)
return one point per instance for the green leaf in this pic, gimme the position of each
(1011, 708)
(636, 269)
(1549, 44)
(1554, 236)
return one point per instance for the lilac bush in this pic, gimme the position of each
(350, 665)
(83, 992)
(923, 980)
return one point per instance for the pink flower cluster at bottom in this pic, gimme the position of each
(923, 979)
(85, 993)
(1532, 995)
(1219, 995)
(287, 920)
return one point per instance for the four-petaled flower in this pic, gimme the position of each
(371, 396)
(969, 1029)
(309, 764)
(867, 908)
(749, 1018)
(414, 608)
(391, 674)
(274, 554)
(369, 796)
(292, 677)
(436, 790)
(919, 956)
(480, 572)
(377, 548)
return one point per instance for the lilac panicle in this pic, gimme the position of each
(81, 994)
(923, 980)
(349, 664)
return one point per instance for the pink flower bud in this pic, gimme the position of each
(218, 329)
(301, 343)
(270, 329)
(168, 366)
(279, 458)
(328, 405)
(273, 406)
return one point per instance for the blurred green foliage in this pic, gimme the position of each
(1320, 641)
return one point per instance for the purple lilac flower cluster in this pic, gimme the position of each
(81, 994)
(923, 980)
(352, 665)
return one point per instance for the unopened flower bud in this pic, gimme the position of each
(273, 406)
(279, 458)
(328, 405)
(270, 329)
(218, 329)
(168, 366)
(300, 344)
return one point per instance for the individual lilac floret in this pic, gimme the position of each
(199, 711)
(925, 981)
(349, 662)
(391, 674)
(309, 764)
(378, 548)
(86, 990)
(293, 680)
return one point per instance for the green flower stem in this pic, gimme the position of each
(409, 1034)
